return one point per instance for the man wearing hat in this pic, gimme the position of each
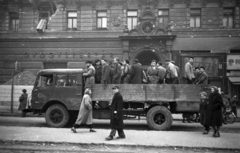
(116, 121)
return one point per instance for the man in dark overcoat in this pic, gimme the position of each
(106, 76)
(116, 115)
(116, 72)
(23, 102)
(136, 73)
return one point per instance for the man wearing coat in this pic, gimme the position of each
(23, 102)
(136, 73)
(203, 77)
(116, 121)
(117, 71)
(106, 70)
(89, 75)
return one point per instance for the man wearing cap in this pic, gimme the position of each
(116, 121)
(89, 75)
(136, 73)
(189, 75)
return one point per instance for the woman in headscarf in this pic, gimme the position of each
(204, 112)
(215, 108)
(85, 112)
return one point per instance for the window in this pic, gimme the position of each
(66, 80)
(102, 19)
(14, 21)
(228, 15)
(163, 17)
(195, 18)
(45, 80)
(72, 20)
(131, 19)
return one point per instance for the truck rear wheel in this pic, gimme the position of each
(159, 118)
(57, 116)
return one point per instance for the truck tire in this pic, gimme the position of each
(57, 116)
(159, 118)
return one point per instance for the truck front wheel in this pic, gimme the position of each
(159, 118)
(57, 116)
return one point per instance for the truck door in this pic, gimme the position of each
(68, 90)
(42, 90)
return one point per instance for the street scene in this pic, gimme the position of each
(152, 76)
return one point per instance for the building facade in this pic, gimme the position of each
(42, 34)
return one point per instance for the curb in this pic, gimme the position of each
(117, 145)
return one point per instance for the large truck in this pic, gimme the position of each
(58, 94)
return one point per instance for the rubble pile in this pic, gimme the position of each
(23, 78)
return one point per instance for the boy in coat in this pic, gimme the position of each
(116, 115)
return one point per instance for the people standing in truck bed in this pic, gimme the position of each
(125, 72)
(116, 71)
(98, 74)
(162, 73)
(153, 73)
(136, 73)
(171, 73)
(203, 77)
(89, 75)
(189, 75)
(106, 73)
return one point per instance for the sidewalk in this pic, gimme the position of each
(134, 138)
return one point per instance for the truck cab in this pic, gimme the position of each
(55, 92)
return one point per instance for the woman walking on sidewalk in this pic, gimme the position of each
(204, 112)
(215, 108)
(85, 112)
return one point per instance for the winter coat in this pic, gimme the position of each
(117, 105)
(106, 74)
(189, 71)
(98, 74)
(23, 101)
(215, 108)
(117, 71)
(85, 111)
(153, 75)
(205, 113)
(136, 74)
(89, 76)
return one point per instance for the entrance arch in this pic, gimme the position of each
(145, 57)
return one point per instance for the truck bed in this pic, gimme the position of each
(151, 92)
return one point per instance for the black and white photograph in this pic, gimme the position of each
(119, 76)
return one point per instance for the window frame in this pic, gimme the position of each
(13, 16)
(101, 17)
(132, 17)
(227, 16)
(165, 25)
(72, 19)
(195, 16)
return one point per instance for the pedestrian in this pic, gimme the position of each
(116, 71)
(204, 112)
(162, 73)
(153, 73)
(126, 72)
(234, 104)
(136, 73)
(189, 75)
(202, 77)
(23, 102)
(98, 74)
(171, 73)
(116, 115)
(85, 112)
(89, 75)
(215, 108)
(106, 73)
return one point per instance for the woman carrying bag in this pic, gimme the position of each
(85, 112)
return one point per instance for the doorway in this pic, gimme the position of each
(145, 57)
